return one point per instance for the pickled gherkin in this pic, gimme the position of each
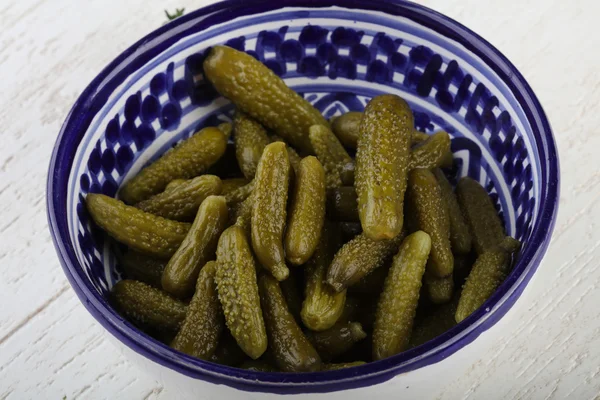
(430, 153)
(269, 211)
(342, 204)
(331, 153)
(338, 366)
(418, 137)
(258, 92)
(292, 154)
(141, 231)
(347, 127)
(147, 307)
(307, 212)
(398, 302)
(226, 128)
(174, 183)
(336, 340)
(238, 292)
(291, 292)
(481, 216)
(142, 267)
(180, 276)
(181, 203)
(239, 194)
(432, 217)
(319, 142)
(382, 160)
(460, 236)
(290, 347)
(231, 184)
(188, 159)
(439, 290)
(203, 324)
(250, 140)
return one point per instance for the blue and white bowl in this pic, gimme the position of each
(338, 54)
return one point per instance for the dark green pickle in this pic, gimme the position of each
(439, 290)
(349, 230)
(293, 298)
(372, 284)
(250, 140)
(342, 204)
(227, 166)
(435, 323)
(331, 153)
(144, 268)
(336, 340)
(346, 127)
(338, 366)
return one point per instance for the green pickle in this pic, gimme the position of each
(203, 324)
(336, 340)
(228, 352)
(332, 154)
(142, 267)
(269, 211)
(481, 215)
(307, 212)
(174, 183)
(290, 347)
(439, 290)
(342, 204)
(358, 258)
(141, 231)
(338, 366)
(261, 94)
(318, 139)
(430, 153)
(347, 128)
(291, 292)
(181, 202)
(227, 166)
(398, 302)
(241, 214)
(432, 217)
(231, 184)
(238, 292)
(292, 154)
(188, 159)
(180, 276)
(322, 306)
(418, 137)
(148, 307)
(460, 236)
(226, 128)
(250, 140)
(240, 194)
(382, 160)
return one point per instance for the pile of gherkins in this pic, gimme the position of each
(311, 259)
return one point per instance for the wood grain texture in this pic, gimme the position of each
(51, 347)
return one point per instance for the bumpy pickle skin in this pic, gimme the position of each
(241, 214)
(188, 159)
(358, 258)
(338, 366)
(238, 292)
(174, 183)
(231, 184)
(240, 194)
(257, 91)
(342, 204)
(290, 347)
(180, 276)
(270, 209)
(148, 307)
(418, 137)
(439, 290)
(432, 217)
(397, 305)
(292, 154)
(322, 306)
(318, 139)
(382, 160)
(181, 203)
(430, 153)
(226, 128)
(482, 218)
(141, 231)
(307, 212)
(347, 127)
(332, 153)
(460, 235)
(142, 267)
(250, 140)
(204, 323)
(336, 340)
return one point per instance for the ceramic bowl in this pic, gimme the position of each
(337, 54)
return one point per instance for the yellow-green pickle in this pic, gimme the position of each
(342, 204)
(226, 128)
(231, 184)
(203, 324)
(174, 183)
(347, 127)
(181, 202)
(270, 209)
(439, 290)
(250, 140)
(240, 194)
(336, 340)
(307, 212)
(398, 302)
(292, 154)
(238, 292)
(431, 153)
(188, 159)
(180, 276)
(382, 160)
(142, 267)
(141, 231)
(148, 307)
(257, 91)
(331, 153)
(290, 347)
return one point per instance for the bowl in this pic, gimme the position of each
(337, 54)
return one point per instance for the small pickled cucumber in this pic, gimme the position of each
(382, 160)
(250, 140)
(432, 217)
(181, 203)
(332, 154)
(307, 212)
(336, 340)
(347, 127)
(418, 137)
(258, 366)
(203, 324)
(322, 306)
(188, 159)
(257, 91)
(398, 302)
(142, 267)
(319, 142)
(226, 128)
(147, 307)
(430, 153)
(240, 194)
(439, 290)
(269, 211)
(141, 231)
(231, 184)
(434, 324)
(358, 258)
(291, 292)
(228, 352)
(198, 247)
(338, 366)
(342, 204)
(238, 292)
(241, 214)
(460, 236)
(291, 349)
(174, 183)
(292, 154)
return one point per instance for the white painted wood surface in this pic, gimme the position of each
(51, 347)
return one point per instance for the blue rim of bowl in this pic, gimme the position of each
(96, 94)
